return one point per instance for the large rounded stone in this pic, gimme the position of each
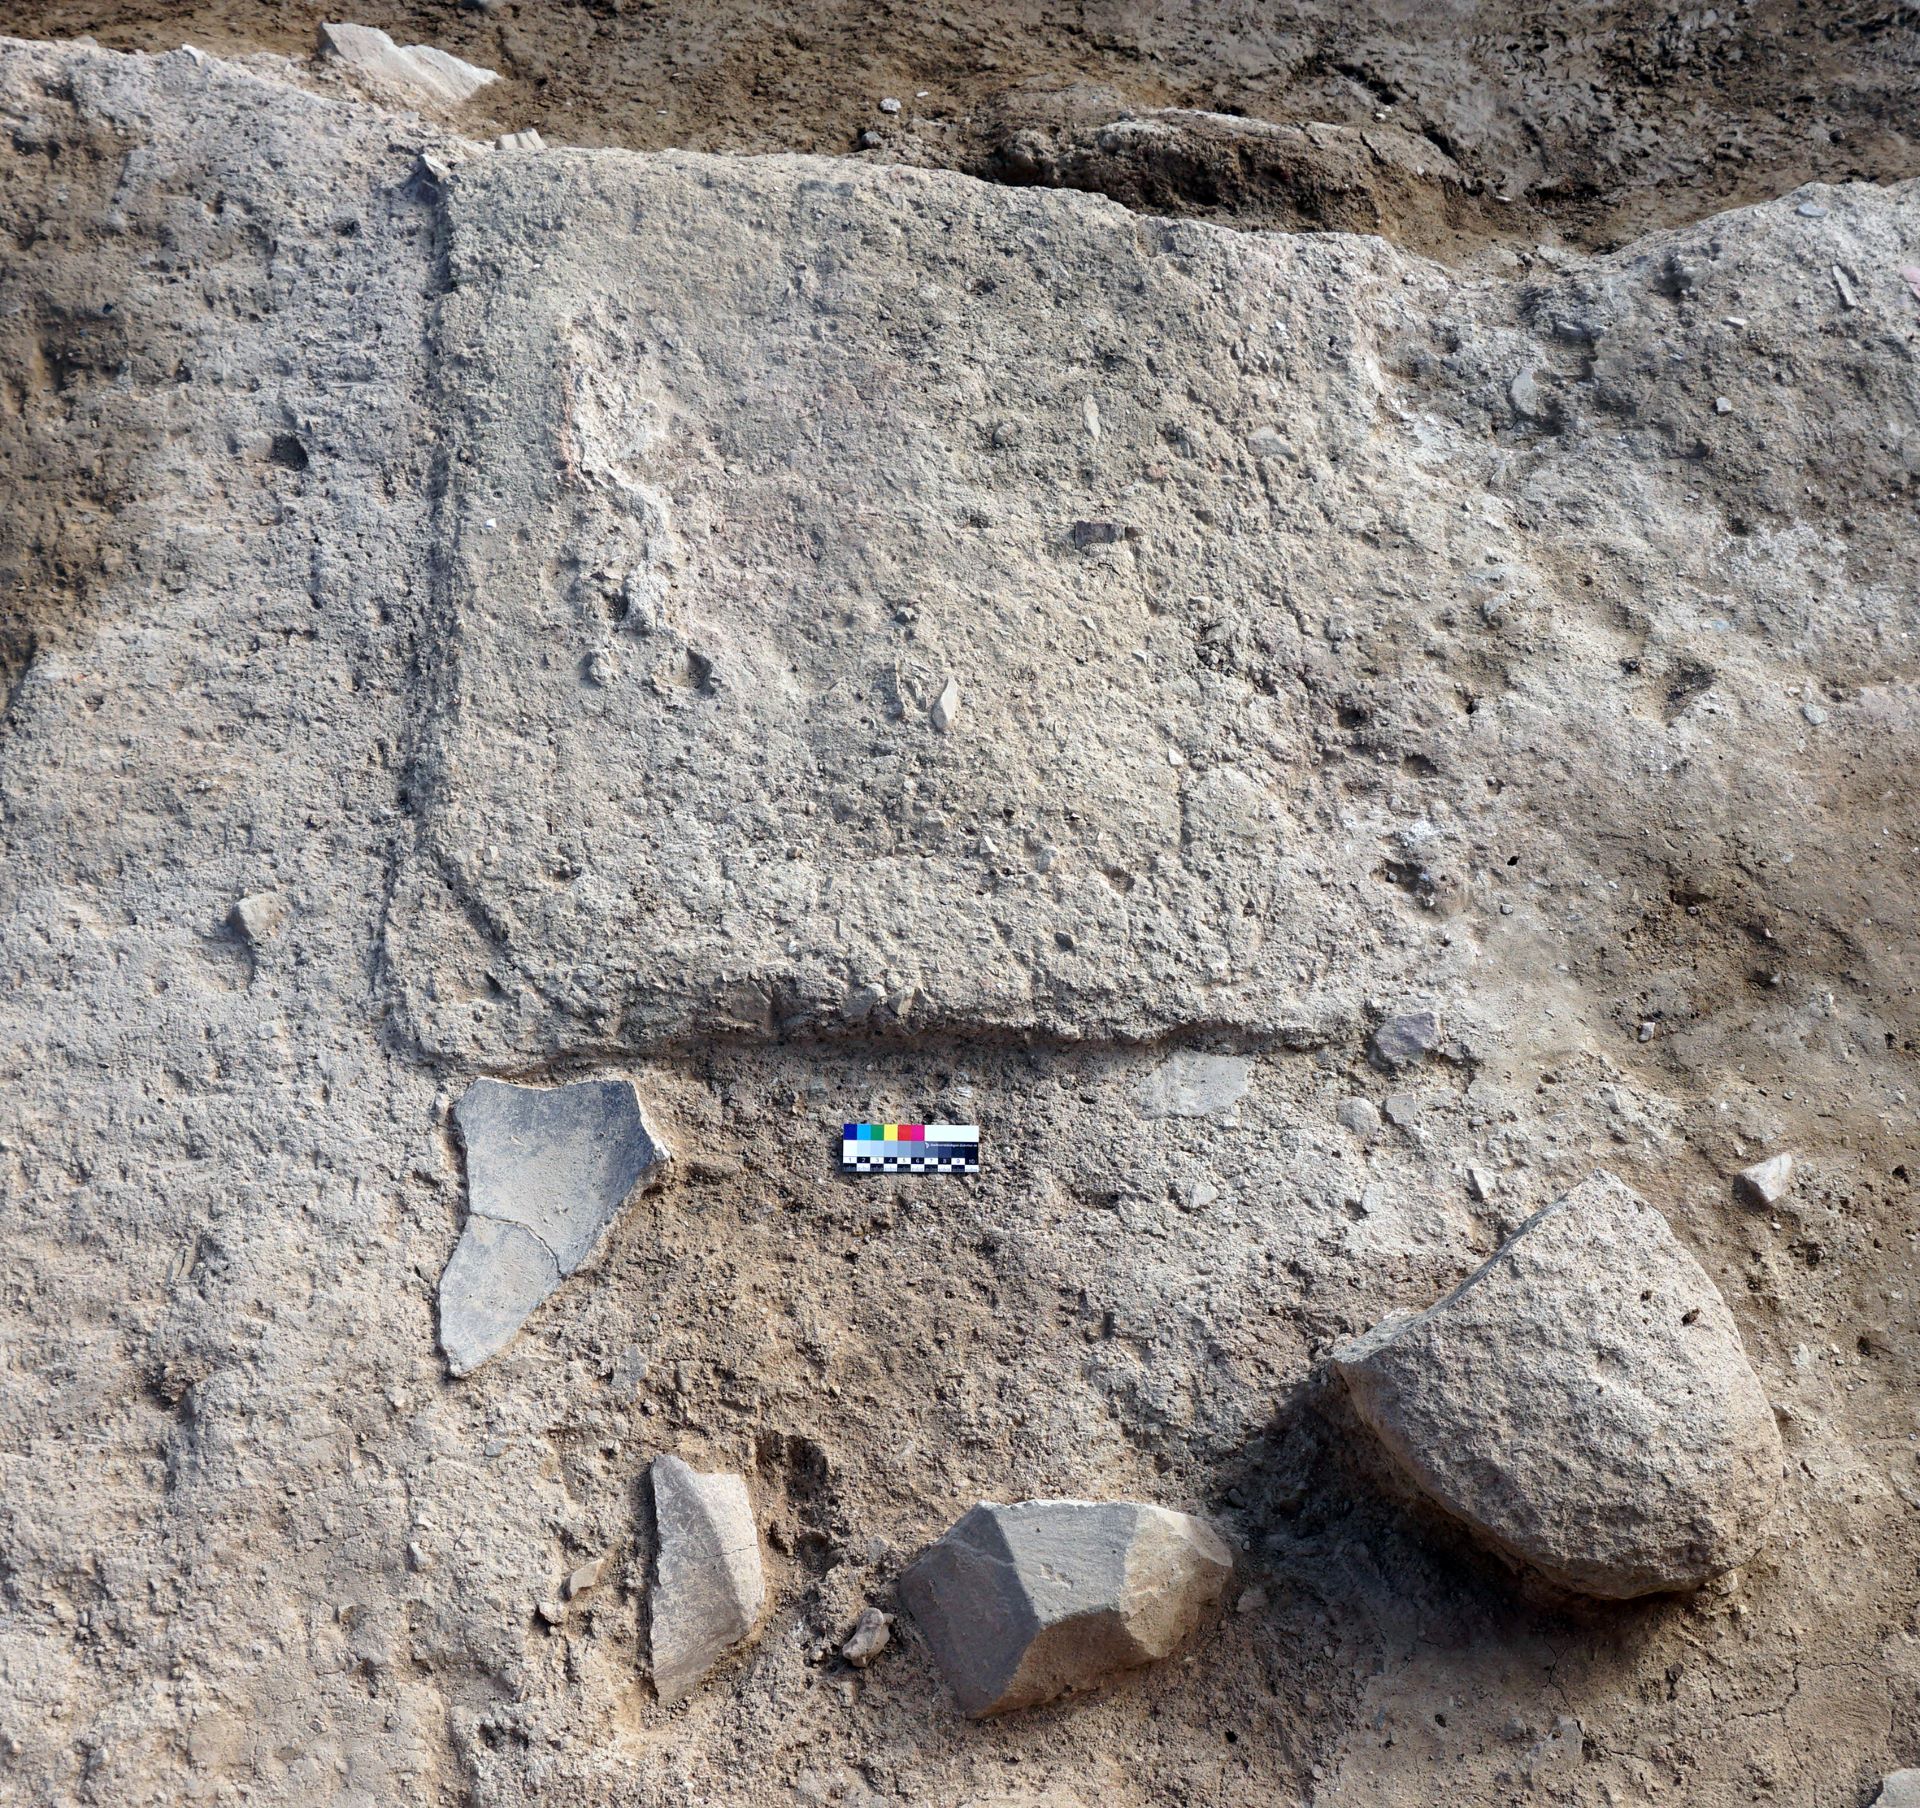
(1582, 1402)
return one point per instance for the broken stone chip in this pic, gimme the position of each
(1765, 1184)
(420, 72)
(1582, 1402)
(1026, 1602)
(708, 1589)
(946, 706)
(548, 1169)
(1899, 1789)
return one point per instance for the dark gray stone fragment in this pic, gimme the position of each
(548, 1169)
(1026, 1602)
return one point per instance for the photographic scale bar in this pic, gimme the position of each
(910, 1148)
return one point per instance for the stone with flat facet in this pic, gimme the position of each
(1027, 1602)
(548, 1169)
(709, 1589)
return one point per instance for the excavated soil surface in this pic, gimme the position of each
(536, 579)
(1592, 122)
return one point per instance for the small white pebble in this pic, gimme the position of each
(889, 105)
(946, 706)
(1766, 1182)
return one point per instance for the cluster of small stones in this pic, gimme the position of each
(1582, 1404)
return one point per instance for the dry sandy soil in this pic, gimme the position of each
(1591, 122)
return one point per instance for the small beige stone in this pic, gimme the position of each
(946, 706)
(260, 917)
(871, 1634)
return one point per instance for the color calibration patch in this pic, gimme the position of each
(910, 1148)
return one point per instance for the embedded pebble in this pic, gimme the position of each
(1361, 1116)
(946, 706)
(871, 1634)
(1404, 1040)
(260, 917)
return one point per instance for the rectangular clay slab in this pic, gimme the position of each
(749, 461)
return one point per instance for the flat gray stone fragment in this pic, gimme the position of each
(709, 1589)
(1023, 1603)
(1193, 1085)
(1582, 1402)
(496, 1276)
(548, 1169)
(561, 1160)
(1899, 1789)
